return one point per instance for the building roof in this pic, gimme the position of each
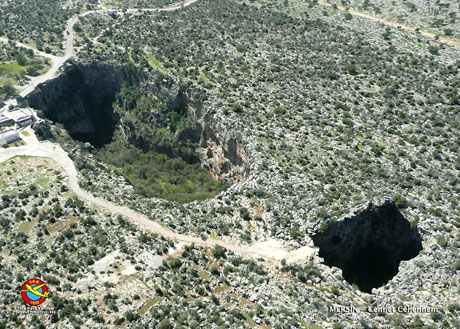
(4, 119)
(20, 115)
(24, 118)
(9, 132)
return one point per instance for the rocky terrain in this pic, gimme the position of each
(324, 125)
(323, 138)
(137, 279)
(439, 16)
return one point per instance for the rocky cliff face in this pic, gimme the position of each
(369, 246)
(81, 99)
(223, 154)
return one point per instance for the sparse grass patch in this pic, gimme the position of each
(156, 63)
(26, 227)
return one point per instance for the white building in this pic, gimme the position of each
(112, 13)
(9, 136)
(4, 120)
(23, 117)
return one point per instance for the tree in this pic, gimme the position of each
(436, 316)
(433, 50)
(441, 240)
(21, 59)
(214, 270)
(448, 31)
(295, 232)
(400, 201)
(165, 324)
(218, 252)
(8, 90)
(323, 227)
(351, 69)
(244, 212)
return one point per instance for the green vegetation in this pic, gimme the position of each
(16, 63)
(39, 23)
(302, 273)
(156, 63)
(150, 124)
(314, 326)
(12, 68)
(156, 175)
(150, 138)
(155, 148)
(7, 90)
(400, 201)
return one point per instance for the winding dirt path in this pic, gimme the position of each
(58, 61)
(270, 249)
(451, 41)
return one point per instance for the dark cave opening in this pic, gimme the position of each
(95, 127)
(81, 100)
(369, 246)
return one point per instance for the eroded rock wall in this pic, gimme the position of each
(81, 99)
(223, 153)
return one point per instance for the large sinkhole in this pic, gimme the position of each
(148, 126)
(369, 246)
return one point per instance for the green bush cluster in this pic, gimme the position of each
(157, 175)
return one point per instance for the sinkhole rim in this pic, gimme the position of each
(370, 245)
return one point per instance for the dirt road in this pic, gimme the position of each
(270, 249)
(58, 61)
(451, 41)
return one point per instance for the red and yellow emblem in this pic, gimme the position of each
(34, 292)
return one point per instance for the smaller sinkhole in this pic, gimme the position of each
(369, 246)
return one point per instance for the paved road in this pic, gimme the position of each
(56, 63)
(451, 41)
(270, 249)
